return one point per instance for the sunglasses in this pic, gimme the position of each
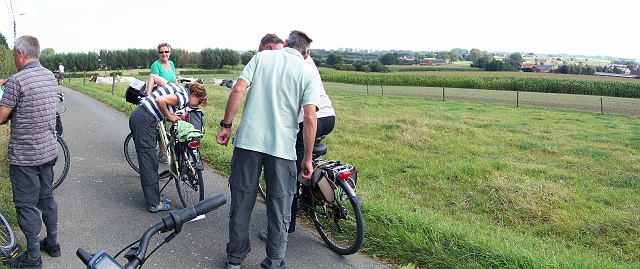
(161, 52)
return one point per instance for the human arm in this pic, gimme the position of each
(3, 81)
(233, 104)
(164, 101)
(309, 123)
(4, 114)
(155, 79)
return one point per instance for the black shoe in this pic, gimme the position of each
(23, 261)
(53, 251)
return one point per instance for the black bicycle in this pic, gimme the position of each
(137, 254)
(9, 248)
(61, 168)
(329, 199)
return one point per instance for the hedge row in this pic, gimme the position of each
(527, 84)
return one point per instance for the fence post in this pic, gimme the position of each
(367, 88)
(601, 107)
(113, 83)
(442, 93)
(84, 78)
(517, 98)
(382, 88)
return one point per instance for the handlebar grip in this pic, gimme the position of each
(84, 256)
(177, 218)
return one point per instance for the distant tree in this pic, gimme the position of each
(564, 69)
(333, 59)
(230, 57)
(7, 64)
(388, 59)
(47, 51)
(588, 70)
(3, 41)
(515, 60)
(453, 56)
(474, 55)
(211, 58)
(246, 56)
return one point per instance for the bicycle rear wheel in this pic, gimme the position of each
(61, 168)
(8, 246)
(132, 157)
(340, 224)
(189, 182)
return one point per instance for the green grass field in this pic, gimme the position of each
(457, 184)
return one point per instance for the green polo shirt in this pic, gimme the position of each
(281, 83)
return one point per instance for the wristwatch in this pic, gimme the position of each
(225, 125)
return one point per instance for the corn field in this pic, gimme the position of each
(508, 81)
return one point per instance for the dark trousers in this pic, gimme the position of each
(143, 128)
(32, 195)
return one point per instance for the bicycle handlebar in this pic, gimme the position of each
(174, 220)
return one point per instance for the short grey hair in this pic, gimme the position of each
(299, 41)
(164, 45)
(29, 45)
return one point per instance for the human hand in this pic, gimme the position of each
(173, 118)
(223, 136)
(307, 169)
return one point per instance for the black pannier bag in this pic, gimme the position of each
(195, 118)
(135, 91)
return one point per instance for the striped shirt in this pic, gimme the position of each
(31, 92)
(149, 102)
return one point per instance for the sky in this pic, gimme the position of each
(574, 27)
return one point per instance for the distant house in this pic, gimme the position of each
(432, 62)
(538, 68)
(407, 57)
(527, 65)
(635, 73)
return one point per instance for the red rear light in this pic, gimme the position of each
(344, 175)
(194, 144)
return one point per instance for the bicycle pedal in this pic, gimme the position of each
(164, 173)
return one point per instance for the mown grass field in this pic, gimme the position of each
(459, 184)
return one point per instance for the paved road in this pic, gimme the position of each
(101, 205)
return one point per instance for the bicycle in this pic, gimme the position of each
(9, 248)
(330, 201)
(61, 168)
(136, 256)
(184, 164)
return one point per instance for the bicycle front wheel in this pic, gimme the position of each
(8, 247)
(61, 168)
(340, 224)
(132, 157)
(189, 182)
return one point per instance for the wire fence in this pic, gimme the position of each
(591, 103)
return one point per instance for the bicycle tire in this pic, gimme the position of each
(132, 157)
(61, 168)
(342, 229)
(189, 183)
(262, 189)
(7, 240)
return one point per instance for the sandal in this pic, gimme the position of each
(161, 206)
(165, 200)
